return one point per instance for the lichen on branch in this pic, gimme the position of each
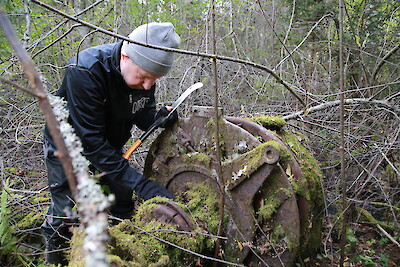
(91, 201)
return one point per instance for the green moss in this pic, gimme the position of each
(24, 172)
(285, 155)
(31, 220)
(138, 242)
(135, 245)
(221, 136)
(277, 193)
(270, 122)
(266, 211)
(197, 157)
(75, 254)
(390, 172)
(163, 261)
(34, 219)
(41, 199)
(203, 204)
(309, 166)
(270, 205)
(309, 188)
(253, 159)
(278, 233)
(118, 262)
(282, 239)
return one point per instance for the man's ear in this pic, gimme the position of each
(123, 55)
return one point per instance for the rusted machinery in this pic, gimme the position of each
(273, 198)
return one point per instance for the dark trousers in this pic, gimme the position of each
(56, 224)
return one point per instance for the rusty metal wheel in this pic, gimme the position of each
(263, 219)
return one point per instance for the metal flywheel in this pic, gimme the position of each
(269, 209)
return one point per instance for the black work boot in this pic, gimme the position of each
(56, 247)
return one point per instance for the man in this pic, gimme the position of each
(108, 89)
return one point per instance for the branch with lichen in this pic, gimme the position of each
(91, 201)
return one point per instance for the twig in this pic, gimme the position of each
(342, 77)
(275, 33)
(349, 101)
(56, 40)
(304, 39)
(382, 61)
(388, 235)
(220, 176)
(19, 87)
(387, 160)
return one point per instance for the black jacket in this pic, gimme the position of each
(103, 110)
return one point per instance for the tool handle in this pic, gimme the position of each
(138, 142)
(130, 150)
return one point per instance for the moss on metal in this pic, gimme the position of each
(310, 188)
(197, 157)
(137, 242)
(253, 159)
(309, 165)
(275, 192)
(269, 206)
(270, 122)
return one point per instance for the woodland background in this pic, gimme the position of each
(296, 41)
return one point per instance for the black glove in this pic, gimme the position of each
(163, 112)
(148, 189)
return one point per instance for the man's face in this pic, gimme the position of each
(136, 77)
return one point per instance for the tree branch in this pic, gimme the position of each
(350, 101)
(304, 39)
(19, 87)
(380, 64)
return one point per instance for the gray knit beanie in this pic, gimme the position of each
(155, 61)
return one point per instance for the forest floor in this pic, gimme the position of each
(366, 246)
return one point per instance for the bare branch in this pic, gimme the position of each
(382, 61)
(221, 178)
(19, 87)
(304, 39)
(350, 101)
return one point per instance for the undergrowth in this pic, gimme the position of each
(9, 250)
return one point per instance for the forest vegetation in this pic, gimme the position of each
(285, 58)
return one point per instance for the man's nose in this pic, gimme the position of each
(147, 84)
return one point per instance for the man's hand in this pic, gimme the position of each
(147, 189)
(163, 112)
